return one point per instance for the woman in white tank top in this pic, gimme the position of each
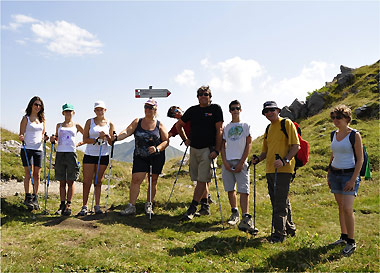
(32, 130)
(343, 174)
(66, 165)
(97, 130)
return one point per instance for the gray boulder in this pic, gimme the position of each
(346, 77)
(315, 103)
(367, 111)
(345, 69)
(287, 113)
(299, 109)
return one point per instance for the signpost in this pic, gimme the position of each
(152, 93)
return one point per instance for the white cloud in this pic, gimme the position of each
(312, 76)
(186, 78)
(60, 37)
(235, 74)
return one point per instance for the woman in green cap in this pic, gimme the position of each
(66, 166)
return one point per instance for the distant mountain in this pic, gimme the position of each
(124, 152)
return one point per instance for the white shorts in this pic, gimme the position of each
(231, 179)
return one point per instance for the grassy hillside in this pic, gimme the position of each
(36, 242)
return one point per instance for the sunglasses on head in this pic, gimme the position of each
(336, 117)
(37, 104)
(148, 106)
(203, 94)
(269, 110)
(235, 108)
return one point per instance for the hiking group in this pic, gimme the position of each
(201, 129)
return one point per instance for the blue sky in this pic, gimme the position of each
(80, 52)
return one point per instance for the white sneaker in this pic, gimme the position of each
(234, 218)
(149, 208)
(129, 210)
(349, 249)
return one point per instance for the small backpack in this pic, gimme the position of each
(302, 156)
(365, 154)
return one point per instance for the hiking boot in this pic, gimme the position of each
(349, 249)
(204, 210)
(35, 202)
(340, 241)
(209, 200)
(149, 208)
(28, 202)
(61, 209)
(234, 218)
(83, 211)
(291, 232)
(98, 210)
(246, 225)
(129, 210)
(190, 213)
(67, 210)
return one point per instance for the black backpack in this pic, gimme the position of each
(352, 141)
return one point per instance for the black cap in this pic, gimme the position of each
(271, 105)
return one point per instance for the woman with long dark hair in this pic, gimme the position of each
(32, 130)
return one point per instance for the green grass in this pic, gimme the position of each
(48, 243)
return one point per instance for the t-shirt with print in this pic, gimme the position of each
(235, 134)
(277, 143)
(203, 120)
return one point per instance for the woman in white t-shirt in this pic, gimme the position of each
(66, 164)
(98, 132)
(32, 130)
(343, 174)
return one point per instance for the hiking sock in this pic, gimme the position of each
(234, 210)
(350, 241)
(246, 215)
(193, 207)
(69, 202)
(344, 236)
(62, 203)
(203, 201)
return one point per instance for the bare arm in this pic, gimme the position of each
(164, 137)
(129, 130)
(179, 126)
(248, 145)
(23, 124)
(350, 185)
(86, 130)
(224, 159)
(294, 148)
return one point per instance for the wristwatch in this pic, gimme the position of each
(157, 150)
(286, 160)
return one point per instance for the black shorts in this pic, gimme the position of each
(90, 159)
(141, 164)
(34, 157)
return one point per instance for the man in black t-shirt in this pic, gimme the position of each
(205, 143)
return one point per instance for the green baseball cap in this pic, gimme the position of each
(68, 107)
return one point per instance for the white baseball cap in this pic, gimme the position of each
(100, 104)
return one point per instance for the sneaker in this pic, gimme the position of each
(234, 218)
(67, 210)
(61, 209)
(149, 208)
(204, 210)
(291, 232)
(28, 202)
(189, 215)
(98, 210)
(276, 239)
(83, 211)
(340, 241)
(246, 225)
(129, 210)
(35, 202)
(349, 249)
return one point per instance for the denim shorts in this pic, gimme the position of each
(338, 181)
(34, 157)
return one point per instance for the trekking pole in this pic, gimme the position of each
(109, 171)
(217, 192)
(150, 191)
(48, 179)
(100, 142)
(27, 162)
(254, 195)
(45, 166)
(274, 194)
(175, 181)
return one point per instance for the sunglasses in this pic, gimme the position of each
(37, 104)
(336, 117)
(148, 106)
(269, 110)
(235, 108)
(203, 94)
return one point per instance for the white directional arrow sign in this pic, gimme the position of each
(152, 93)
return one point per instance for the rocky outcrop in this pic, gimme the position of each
(345, 78)
(299, 109)
(287, 113)
(315, 103)
(370, 110)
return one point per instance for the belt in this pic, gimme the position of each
(341, 171)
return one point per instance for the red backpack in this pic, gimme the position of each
(302, 156)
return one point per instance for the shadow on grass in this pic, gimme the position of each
(221, 246)
(12, 210)
(300, 260)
